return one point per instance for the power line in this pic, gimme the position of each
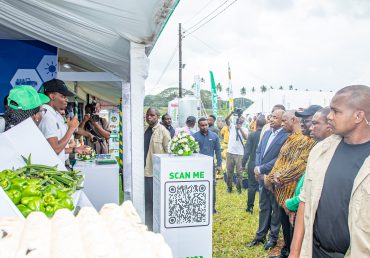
(197, 23)
(200, 10)
(200, 26)
(167, 65)
(204, 43)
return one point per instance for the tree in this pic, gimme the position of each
(271, 88)
(263, 88)
(243, 91)
(253, 89)
(228, 91)
(290, 87)
(281, 87)
(219, 87)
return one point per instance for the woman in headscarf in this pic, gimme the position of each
(24, 102)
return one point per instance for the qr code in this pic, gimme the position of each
(187, 204)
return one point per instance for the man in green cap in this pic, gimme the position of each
(52, 124)
(24, 102)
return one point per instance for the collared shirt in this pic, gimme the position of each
(235, 145)
(209, 145)
(52, 125)
(272, 137)
(291, 165)
(158, 145)
(358, 213)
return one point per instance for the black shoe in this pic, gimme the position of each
(239, 191)
(250, 210)
(255, 242)
(214, 211)
(229, 190)
(279, 256)
(269, 245)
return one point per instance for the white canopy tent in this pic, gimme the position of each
(110, 39)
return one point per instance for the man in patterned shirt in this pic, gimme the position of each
(288, 169)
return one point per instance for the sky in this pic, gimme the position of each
(310, 44)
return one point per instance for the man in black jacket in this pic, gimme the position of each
(250, 154)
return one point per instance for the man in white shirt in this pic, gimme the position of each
(235, 152)
(52, 124)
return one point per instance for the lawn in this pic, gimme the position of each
(233, 227)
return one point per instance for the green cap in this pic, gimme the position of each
(25, 97)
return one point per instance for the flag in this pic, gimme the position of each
(214, 94)
(231, 95)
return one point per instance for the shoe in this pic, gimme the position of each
(250, 210)
(279, 256)
(255, 242)
(239, 191)
(229, 190)
(214, 211)
(269, 245)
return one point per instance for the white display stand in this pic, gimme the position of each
(23, 140)
(182, 203)
(101, 184)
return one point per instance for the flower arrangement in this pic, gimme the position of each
(183, 144)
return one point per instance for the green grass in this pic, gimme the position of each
(233, 227)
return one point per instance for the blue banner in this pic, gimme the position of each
(25, 62)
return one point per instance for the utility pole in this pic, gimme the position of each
(180, 61)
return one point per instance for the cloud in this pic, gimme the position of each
(310, 44)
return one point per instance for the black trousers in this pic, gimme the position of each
(252, 187)
(149, 202)
(287, 229)
(269, 217)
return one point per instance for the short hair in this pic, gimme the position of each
(324, 112)
(359, 97)
(214, 118)
(201, 119)
(155, 110)
(6, 100)
(278, 106)
(164, 116)
(260, 122)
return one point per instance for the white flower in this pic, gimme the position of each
(180, 152)
(192, 138)
(186, 148)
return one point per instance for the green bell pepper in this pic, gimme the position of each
(66, 203)
(26, 200)
(5, 184)
(49, 211)
(24, 210)
(62, 194)
(36, 205)
(48, 199)
(18, 183)
(15, 196)
(31, 190)
(51, 189)
(9, 174)
(33, 181)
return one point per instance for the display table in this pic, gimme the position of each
(182, 203)
(101, 184)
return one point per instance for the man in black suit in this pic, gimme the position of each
(250, 157)
(266, 155)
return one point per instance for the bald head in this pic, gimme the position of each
(357, 98)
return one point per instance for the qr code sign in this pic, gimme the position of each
(187, 204)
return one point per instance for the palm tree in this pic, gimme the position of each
(271, 88)
(281, 87)
(243, 91)
(253, 89)
(290, 87)
(219, 87)
(263, 88)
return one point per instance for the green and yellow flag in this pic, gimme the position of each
(214, 94)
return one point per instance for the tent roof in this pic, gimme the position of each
(92, 35)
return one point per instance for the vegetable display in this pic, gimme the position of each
(114, 232)
(40, 188)
(86, 157)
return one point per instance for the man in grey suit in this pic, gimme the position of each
(266, 155)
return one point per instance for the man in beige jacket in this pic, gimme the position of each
(156, 140)
(334, 214)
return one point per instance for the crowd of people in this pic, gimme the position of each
(65, 134)
(310, 166)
